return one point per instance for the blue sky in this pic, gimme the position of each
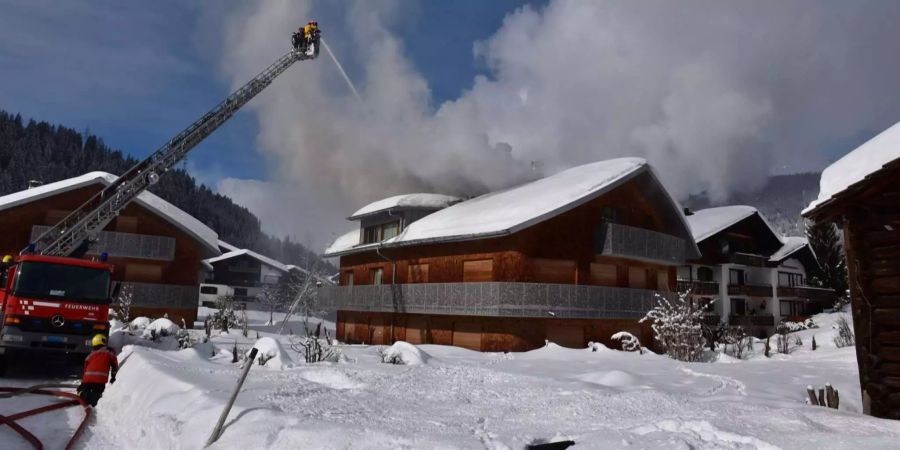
(135, 73)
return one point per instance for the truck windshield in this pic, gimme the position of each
(62, 282)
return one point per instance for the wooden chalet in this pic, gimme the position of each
(154, 246)
(861, 194)
(571, 258)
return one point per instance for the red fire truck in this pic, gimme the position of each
(53, 303)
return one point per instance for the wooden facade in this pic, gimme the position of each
(869, 214)
(559, 250)
(182, 270)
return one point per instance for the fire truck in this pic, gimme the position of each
(52, 298)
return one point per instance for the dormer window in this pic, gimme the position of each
(378, 233)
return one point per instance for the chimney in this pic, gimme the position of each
(34, 184)
(688, 212)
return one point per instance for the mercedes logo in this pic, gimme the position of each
(57, 321)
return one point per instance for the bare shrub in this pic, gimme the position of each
(677, 326)
(736, 341)
(844, 336)
(316, 346)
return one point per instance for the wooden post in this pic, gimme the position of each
(822, 397)
(812, 396)
(829, 395)
(218, 429)
(837, 399)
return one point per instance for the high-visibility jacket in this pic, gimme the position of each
(98, 364)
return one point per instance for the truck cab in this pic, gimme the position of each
(53, 304)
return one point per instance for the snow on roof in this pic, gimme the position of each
(857, 165)
(184, 221)
(507, 211)
(264, 259)
(707, 222)
(227, 246)
(791, 245)
(419, 200)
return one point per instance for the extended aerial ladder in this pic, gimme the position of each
(74, 233)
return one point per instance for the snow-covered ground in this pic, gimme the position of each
(456, 398)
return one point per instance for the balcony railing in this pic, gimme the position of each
(763, 320)
(699, 287)
(632, 242)
(748, 259)
(125, 245)
(153, 295)
(812, 293)
(752, 290)
(493, 299)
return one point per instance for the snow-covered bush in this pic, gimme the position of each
(630, 342)
(184, 338)
(844, 336)
(139, 323)
(782, 343)
(739, 341)
(403, 353)
(224, 318)
(124, 300)
(677, 326)
(807, 324)
(270, 354)
(160, 328)
(314, 348)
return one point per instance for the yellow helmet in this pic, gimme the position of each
(98, 340)
(7, 258)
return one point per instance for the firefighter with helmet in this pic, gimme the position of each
(97, 367)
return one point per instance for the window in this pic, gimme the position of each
(704, 274)
(378, 233)
(662, 280)
(377, 275)
(211, 290)
(62, 282)
(787, 279)
(738, 307)
(604, 274)
(240, 292)
(390, 230)
(417, 273)
(561, 271)
(478, 270)
(736, 277)
(348, 277)
(637, 277)
(788, 309)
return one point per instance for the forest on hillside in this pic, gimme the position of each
(47, 153)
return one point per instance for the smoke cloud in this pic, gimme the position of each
(716, 95)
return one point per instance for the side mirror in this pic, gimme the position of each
(114, 292)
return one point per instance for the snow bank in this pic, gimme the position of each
(162, 327)
(270, 351)
(139, 323)
(405, 353)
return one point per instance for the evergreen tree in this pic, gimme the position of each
(826, 244)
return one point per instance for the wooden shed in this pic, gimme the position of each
(861, 193)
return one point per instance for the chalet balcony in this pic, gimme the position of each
(699, 287)
(751, 290)
(748, 259)
(759, 320)
(808, 292)
(125, 245)
(493, 299)
(155, 295)
(632, 242)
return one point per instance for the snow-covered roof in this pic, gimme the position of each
(184, 221)
(228, 247)
(406, 201)
(791, 245)
(857, 165)
(508, 211)
(707, 222)
(264, 259)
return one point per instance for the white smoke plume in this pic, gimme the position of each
(716, 95)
